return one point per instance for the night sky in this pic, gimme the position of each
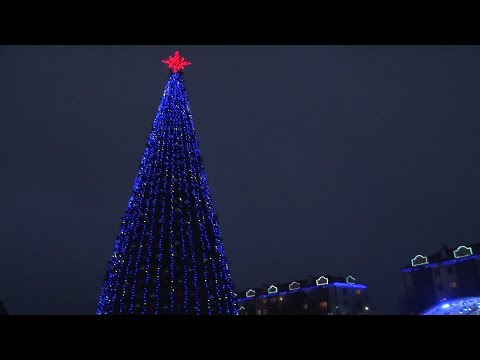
(341, 160)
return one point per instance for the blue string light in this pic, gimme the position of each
(193, 265)
(168, 257)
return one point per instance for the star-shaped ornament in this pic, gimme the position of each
(176, 62)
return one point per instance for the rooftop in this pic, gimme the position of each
(445, 256)
(299, 285)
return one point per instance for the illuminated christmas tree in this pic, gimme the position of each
(169, 257)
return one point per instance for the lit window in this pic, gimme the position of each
(265, 312)
(358, 292)
(453, 284)
(323, 305)
(281, 298)
(305, 306)
(259, 312)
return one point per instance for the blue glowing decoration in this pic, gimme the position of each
(461, 306)
(419, 260)
(335, 284)
(322, 280)
(350, 279)
(272, 289)
(168, 257)
(349, 286)
(294, 286)
(462, 251)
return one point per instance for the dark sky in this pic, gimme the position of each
(342, 160)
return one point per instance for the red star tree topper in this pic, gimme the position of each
(176, 62)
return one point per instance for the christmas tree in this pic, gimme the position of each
(169, 257)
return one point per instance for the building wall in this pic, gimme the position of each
(446, 283)
(446, 279)
(419, 290)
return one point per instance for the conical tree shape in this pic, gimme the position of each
(169, 257)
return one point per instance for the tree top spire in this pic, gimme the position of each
(176, 62)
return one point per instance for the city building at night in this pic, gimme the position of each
(323, 295)
(445, 282)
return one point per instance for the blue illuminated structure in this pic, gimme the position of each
(462, 306)
(168, 257)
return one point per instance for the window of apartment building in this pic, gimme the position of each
(437, 272)
(280, 298)
(265, 312)
(453, 284)
(440, 287)
(259, 312)
(449, 270)
(358, 292)
(323, 305)
(305, 306)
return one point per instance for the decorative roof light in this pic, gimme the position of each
(272, 289)
(322, 280)
(462, 251)
(419, 260)
(294, 286)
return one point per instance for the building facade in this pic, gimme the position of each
(325, 295)
(445, 276)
